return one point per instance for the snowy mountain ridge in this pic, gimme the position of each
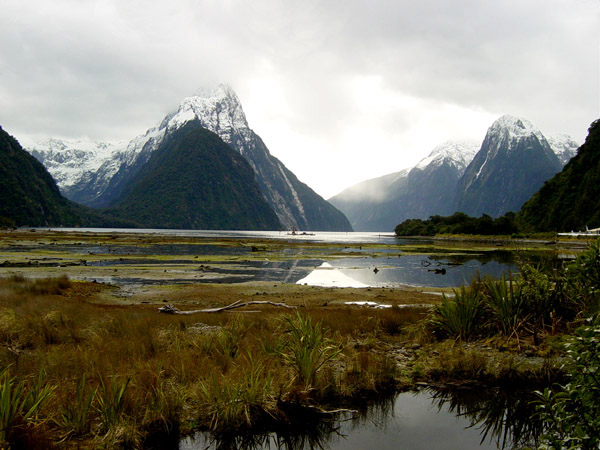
(456, 153)
(563, 146)
(514, 161)
(507, 131)
(68, 160)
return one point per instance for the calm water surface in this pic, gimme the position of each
(385, 266)
(425, 420)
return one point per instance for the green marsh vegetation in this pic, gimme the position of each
(79, 372)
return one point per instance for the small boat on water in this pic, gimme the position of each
(295, 232)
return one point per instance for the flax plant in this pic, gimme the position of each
(110, 401)
(458, 317)
(306, 348)
(506, 303)
(18, 404)
(75, 415)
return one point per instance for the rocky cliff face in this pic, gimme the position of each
(514, 161)
(220, 111)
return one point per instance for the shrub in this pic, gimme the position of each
(573, 413)
(583, 280)
(506, 303)
(306, 348)
(458, 317)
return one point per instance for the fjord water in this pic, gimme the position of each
(370, 259)
(424, 420)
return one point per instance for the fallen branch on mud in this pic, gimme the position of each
(170, 309)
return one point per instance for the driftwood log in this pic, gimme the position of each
(170, 309)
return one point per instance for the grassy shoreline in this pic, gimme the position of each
(119, 374)
(94, 367)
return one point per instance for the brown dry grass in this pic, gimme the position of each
(175, 372)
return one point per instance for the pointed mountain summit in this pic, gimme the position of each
(195, 181)
(513, 162)
(219, 110)
(297, 205)
(427, 189)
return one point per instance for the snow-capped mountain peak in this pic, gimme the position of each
(218, 108)
(67, 160)
(508, 133)
(456, 153)
(564, 146)
(514, 127)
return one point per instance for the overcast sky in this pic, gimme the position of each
(339, 90)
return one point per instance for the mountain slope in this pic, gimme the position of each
(563, 146)
(514, 161)
(194, 180)
(427, 189)
(571, 199)
(218, 110)
(29, 196)
(73, 163)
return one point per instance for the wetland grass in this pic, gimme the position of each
(117, 374)
(110, 375)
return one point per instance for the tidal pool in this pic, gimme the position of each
(423, 420)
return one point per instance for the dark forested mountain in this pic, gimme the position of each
(29, 196)
(427, 189)
(194, 180)
(106, 171)
(514, 161)
(571, 199)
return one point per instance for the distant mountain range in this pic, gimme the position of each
(381, 203)
(493, 178)
(100, 174)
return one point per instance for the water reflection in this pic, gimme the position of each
(142, 259)
(465, 419)
(506, 418)
(327, 275)
(415, 270)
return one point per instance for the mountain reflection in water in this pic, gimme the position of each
(428, 419)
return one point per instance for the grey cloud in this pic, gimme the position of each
(111, 69)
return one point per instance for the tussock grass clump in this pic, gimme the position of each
(458, 317)
(457, 363)
(42, 286)
(306, 348)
